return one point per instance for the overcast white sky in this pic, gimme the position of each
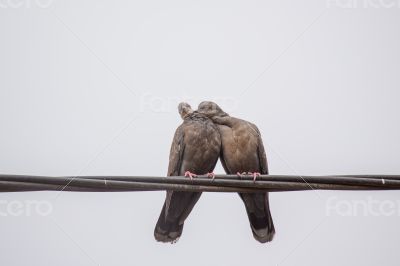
(91, 87)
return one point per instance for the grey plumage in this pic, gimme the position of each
(243, 151)
(195, 148)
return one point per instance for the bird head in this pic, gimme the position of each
(210, 109)
(184, 109)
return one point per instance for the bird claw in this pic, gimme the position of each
(190, 175)
(212, 175)
(255, 175)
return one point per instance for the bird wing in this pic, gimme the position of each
(262, 157)
(177, 204)
(222, 130)
(176, 152)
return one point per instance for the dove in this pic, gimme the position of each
(243, 152)
(194, 151)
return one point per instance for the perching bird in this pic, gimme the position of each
(195, 150)
(243, 151)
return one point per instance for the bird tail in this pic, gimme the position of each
(257, 207)
(167, 231)
(177, 207)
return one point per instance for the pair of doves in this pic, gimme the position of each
(205, 135)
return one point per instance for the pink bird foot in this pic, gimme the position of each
(255, 175)
(190, 175)
(211, 175)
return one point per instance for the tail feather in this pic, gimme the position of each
(257, 207)
(177, 207)
(167, 231)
